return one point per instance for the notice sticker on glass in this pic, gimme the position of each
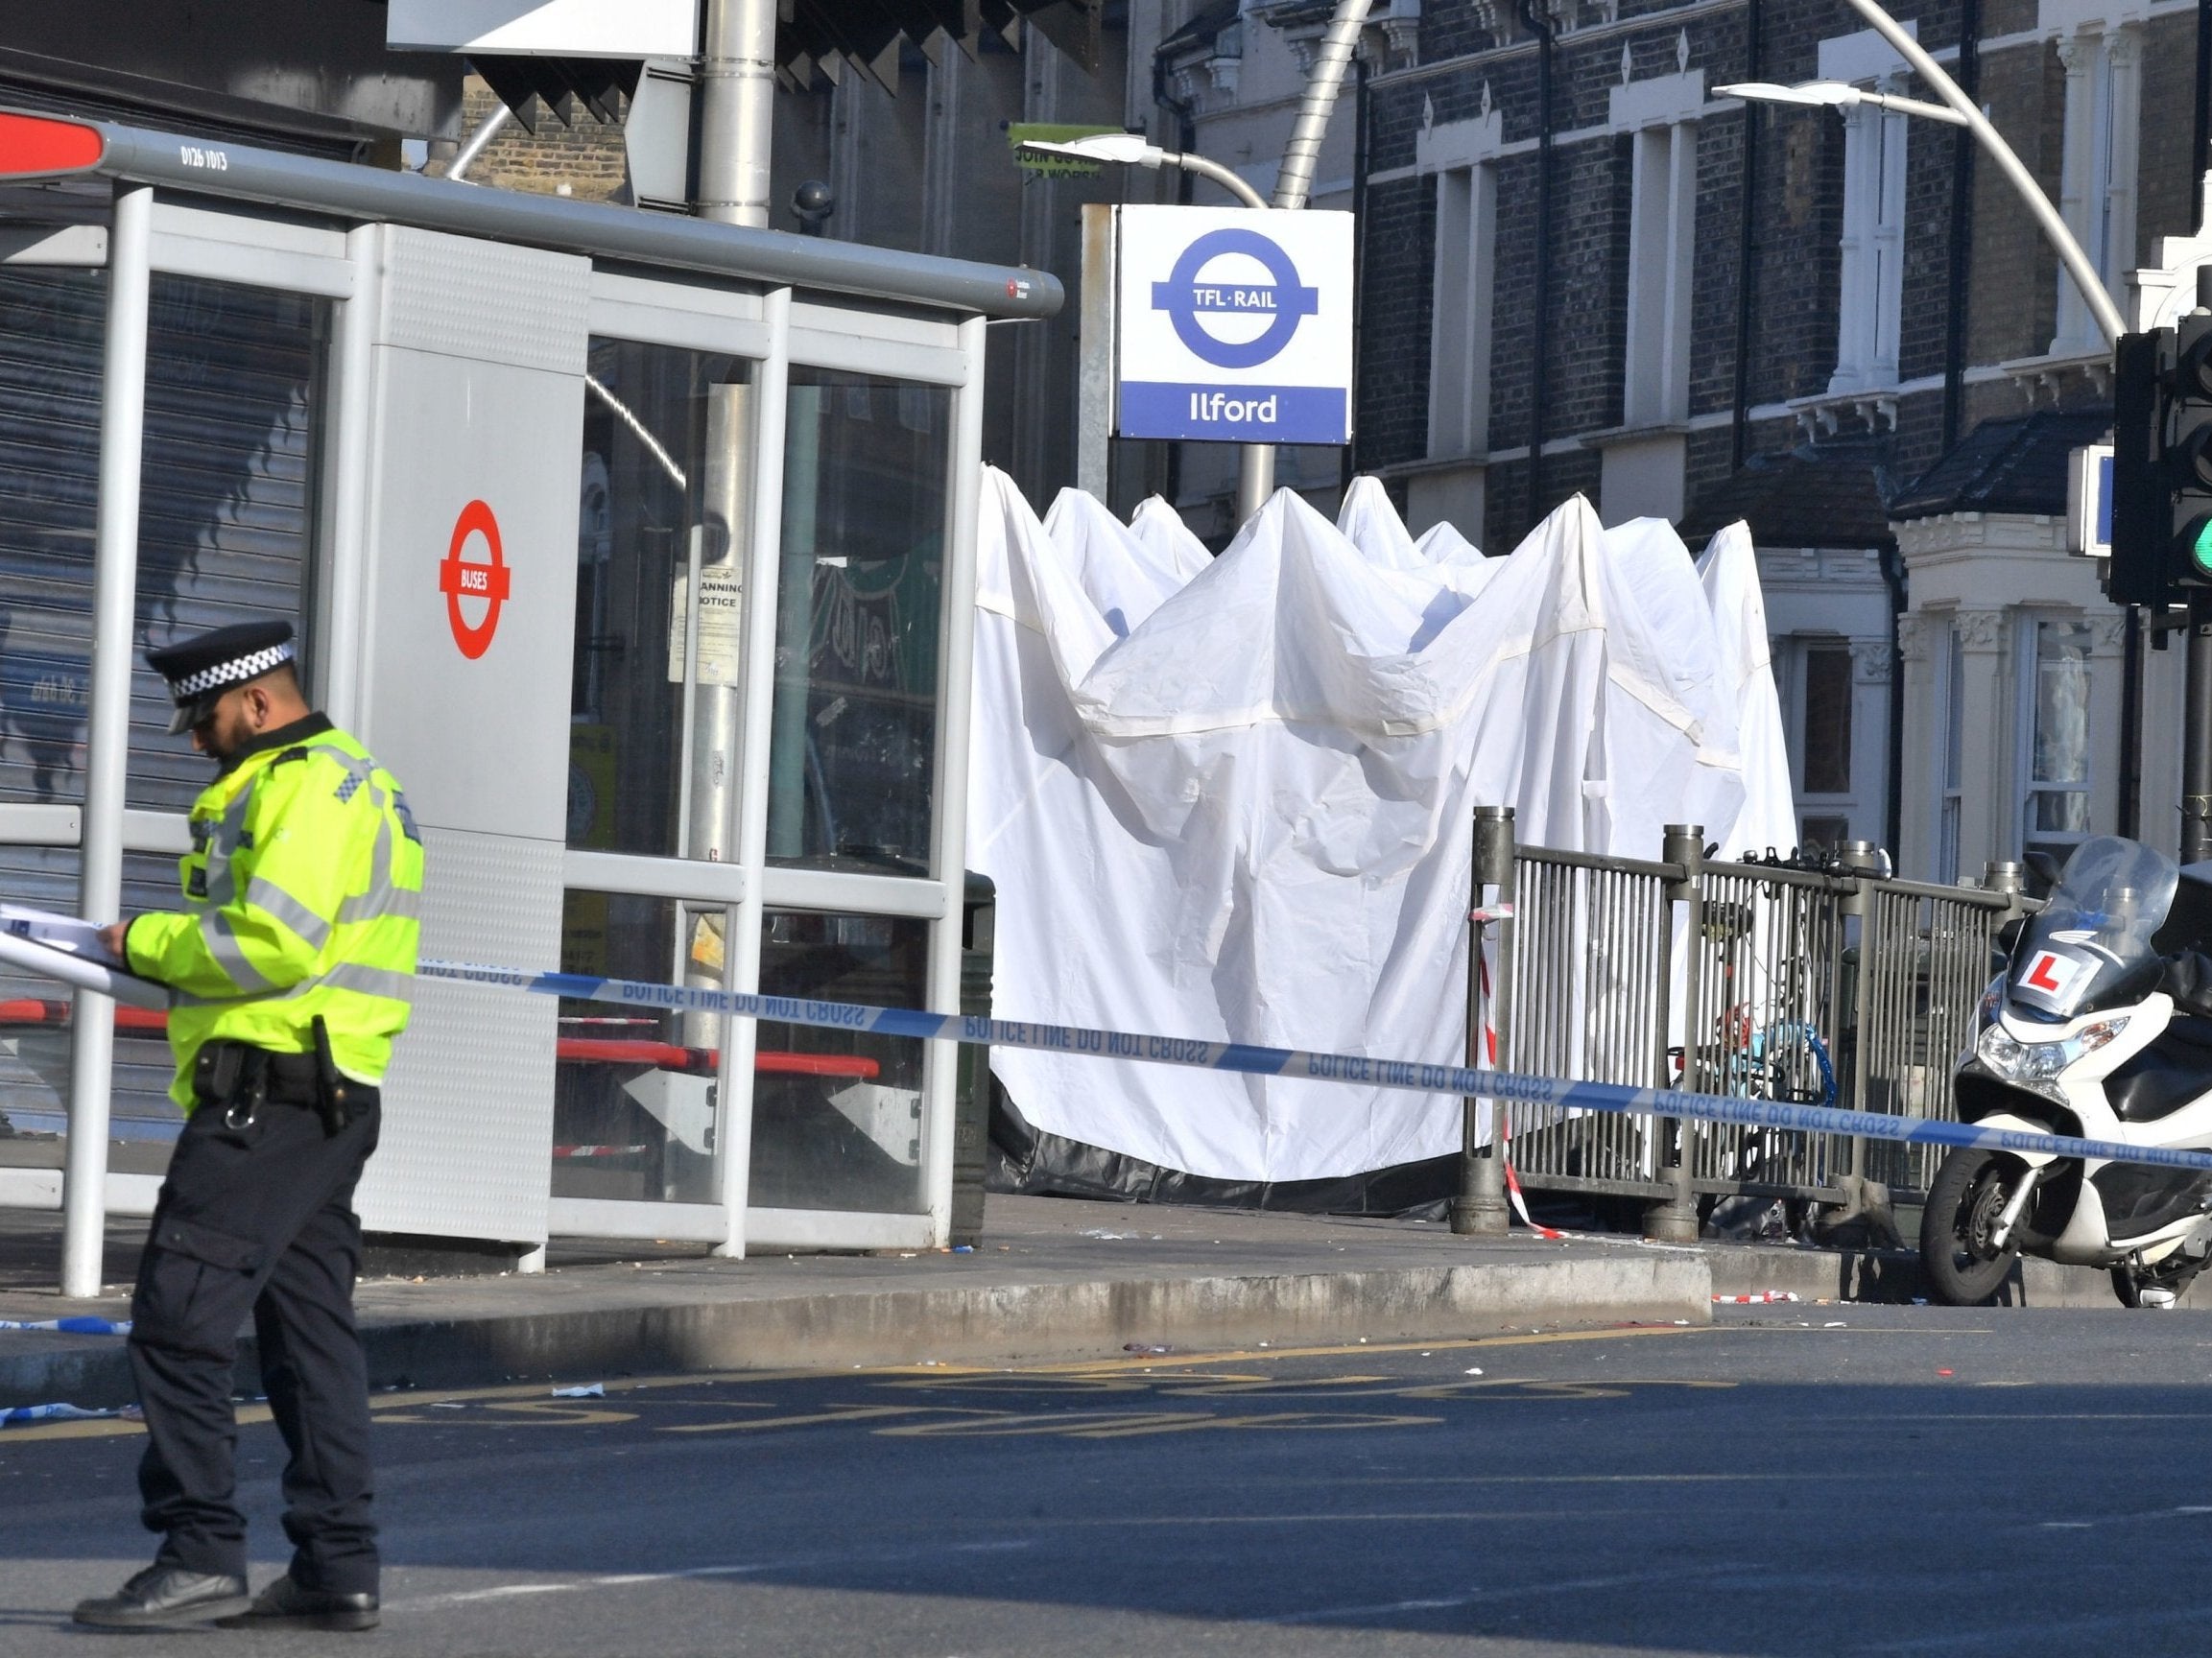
(721, 623)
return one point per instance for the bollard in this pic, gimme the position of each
(1479, 1208)
(2010, 879)
(1675, 1219)
(1861, 862)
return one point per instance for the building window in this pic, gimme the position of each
(1825, 735)
(1662, 235)
(2097, 177)
(1815, 681)
(1949, 799)
(2055, 809)
(1873, 285)
(1459, 350)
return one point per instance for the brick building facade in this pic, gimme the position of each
(1681, 304)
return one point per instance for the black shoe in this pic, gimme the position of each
(166, 1595)
(285, 1606)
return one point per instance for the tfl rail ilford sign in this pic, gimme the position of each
(1234, 324)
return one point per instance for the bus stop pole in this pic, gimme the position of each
(107, 737)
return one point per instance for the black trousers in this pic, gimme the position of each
(258, 1218)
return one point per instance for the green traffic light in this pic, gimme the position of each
(2200, 547)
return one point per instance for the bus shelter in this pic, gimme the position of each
(641, 548)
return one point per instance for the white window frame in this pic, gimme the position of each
(1464, 299)
(1462, 155)
(2100, 153)
(1871, 291)
(1799, 650)
(2027, 652)
(1661, 117)
(1662, 254)
(1870, 294)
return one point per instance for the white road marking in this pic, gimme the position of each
(1519, 1592)
(622, 1579)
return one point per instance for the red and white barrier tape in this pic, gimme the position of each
(1501, 1118)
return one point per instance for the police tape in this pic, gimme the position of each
(1304, 1065)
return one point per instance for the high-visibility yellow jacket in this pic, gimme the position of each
(303, 893)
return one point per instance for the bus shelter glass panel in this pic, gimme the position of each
(636, 1089)
(859, 610)
(667, 457)
(837, 1115)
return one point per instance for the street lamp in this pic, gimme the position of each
(1132, 150)
(1960, 110)
(1840, 95)
(1255, 462)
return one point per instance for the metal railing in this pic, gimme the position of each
(1828, 984)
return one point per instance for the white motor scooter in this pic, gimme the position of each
(2078, 1037)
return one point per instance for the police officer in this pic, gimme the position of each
(291, 965)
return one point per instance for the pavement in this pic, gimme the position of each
(1054, 1279)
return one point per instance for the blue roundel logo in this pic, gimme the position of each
(1283, 300)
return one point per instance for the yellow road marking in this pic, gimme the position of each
(836, 1413)
(402, 1407)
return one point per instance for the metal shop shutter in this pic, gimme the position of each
(234, 381)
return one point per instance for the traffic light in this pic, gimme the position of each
(2162, 464)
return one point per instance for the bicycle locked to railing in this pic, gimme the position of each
(1812, 978)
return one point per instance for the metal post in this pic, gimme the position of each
(2196, 745)
(1862, 863)
(108, 736)
(2007, 877)
(737, 111)
(1480, 1205)
(714, 691)
(756, 658)
(948, 848)
(1675, 1219)
(1294, 183)
(1095, 362)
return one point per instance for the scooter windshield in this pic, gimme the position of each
(2085, 949)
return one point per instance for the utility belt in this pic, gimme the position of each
(239, 1078)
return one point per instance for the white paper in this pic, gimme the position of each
(80, 938)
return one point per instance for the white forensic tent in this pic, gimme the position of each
(1230, 798)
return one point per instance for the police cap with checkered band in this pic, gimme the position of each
(202, 668)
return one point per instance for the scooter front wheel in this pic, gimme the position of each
(1959, 1264)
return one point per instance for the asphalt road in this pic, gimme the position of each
(1917, 1479)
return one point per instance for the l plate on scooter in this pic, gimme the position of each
(2054, 980)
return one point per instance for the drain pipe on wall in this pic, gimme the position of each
(1739, 434)
(1893, 561)
(1540, 378)
(1361, 112)
(1186, 140)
